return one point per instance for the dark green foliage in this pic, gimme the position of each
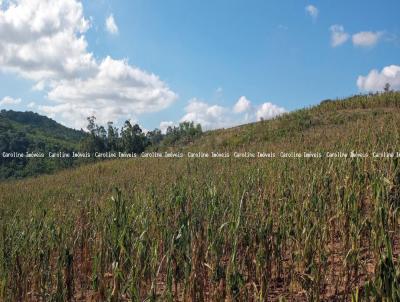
(23, 132)
(35, 124)
(112, 137)
(154, 137)
(131, 138)
(186, 132)
(96, 141)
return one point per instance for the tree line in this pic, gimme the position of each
(132, 139)
(24, 132)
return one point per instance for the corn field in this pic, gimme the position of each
(281, 229)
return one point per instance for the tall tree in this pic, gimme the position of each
(133, 139)
(112, 137)
(154, 137)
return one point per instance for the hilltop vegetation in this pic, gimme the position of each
(130, 138)
(206, 229)
(30, 132)
(39, 127)
(342, 124)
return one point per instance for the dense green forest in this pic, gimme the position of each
(28, 132)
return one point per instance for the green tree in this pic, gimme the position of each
(154, 137)
(112, 137)
(96, 141)
(132, 138)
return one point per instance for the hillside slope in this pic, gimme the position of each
(23, 132)
(212, 229)
(345, 123)
(39, 128)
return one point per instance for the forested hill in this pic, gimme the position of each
(36, 136)
(30, 132)
(38, 127)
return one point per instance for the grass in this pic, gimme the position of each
(218, 229)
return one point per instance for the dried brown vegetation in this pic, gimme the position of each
(218, 229)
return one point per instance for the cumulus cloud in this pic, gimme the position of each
(366, 38)
(44, 41)
(242, 105)
(338, 35)
(116, 89)
(312, 11)
(360, 39)
(111, 26)
(268, 111)
(9, 101)
(216, 116)
(209, 116)
(376, 80)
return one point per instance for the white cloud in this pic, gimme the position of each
(44, 41)
(164, 126)
(116, 89)
(215, 116)
(366, 38)
(338, 35)
(111, 26)
(376, 80)
(9, 101)
(209, 116)
(242, 105)
(312, 11)
(268, 111)
(31, 105)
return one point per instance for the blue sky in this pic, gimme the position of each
(274, 56)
